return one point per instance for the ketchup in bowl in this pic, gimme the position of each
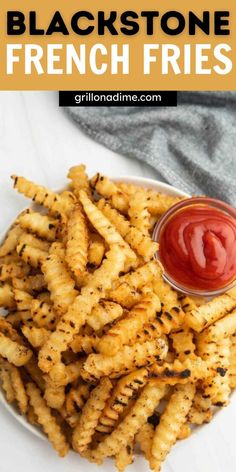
(197, 239)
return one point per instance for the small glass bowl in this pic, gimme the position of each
(218, 204)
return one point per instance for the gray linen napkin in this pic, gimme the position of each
(192, 146)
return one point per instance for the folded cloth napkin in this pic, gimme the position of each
(192, 146)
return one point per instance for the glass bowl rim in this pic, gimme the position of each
(215, 203)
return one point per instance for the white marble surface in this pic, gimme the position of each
(39, 141)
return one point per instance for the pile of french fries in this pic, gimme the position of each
(95, 347)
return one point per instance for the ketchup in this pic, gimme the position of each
(198, 247)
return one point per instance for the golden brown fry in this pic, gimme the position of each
(7, 329)
(6, 382)
(54, 395)
(79, 179)
(30, 284)
(23, 302)
(217, 356)
(14, 352)
(32, 368)
(19, 389)
(11, 240)
(171, 308)
(47, 420)
(126, 359)
(118, 401)
(85, 343)
(145, 437)
(210, 312)
(96, 251)
(9, 271)
(108, 189)
(83, 432)
(6, 296)
(183, 344)
(126, 288)
(134, 420)
(159, 203)
(31, 255)
(222, 328)
(188, 304)
(172, 421)
(106, 229)
(42, 225)
(142, 244)
(200, 411)
(184, 432)
(43, 314)
(124, 457)
(103, 313)
(60, 283)
(77, 242)
(190, 370)
(138, 212)
(43, 196)
(31, 416)
(36, 336)
(34, 242)
(125, 330)
(74, 403)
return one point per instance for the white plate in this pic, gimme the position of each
(142, 182)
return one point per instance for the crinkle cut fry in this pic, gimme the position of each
(138, 212)
(108, 189)
(172, 420)
(106, 229)
(79, 179)
(71, 322)
(11, 240)
(36, 336)
(210, 312)
(77, 242)
(125, 289)
(42, 225)
(14, 352)
(103, 313)
(19, 388)
(31, 255)
(217, 356)
(125, 330)
(142, 244)
(118, 401)
(222, 328)
(89, 418)
(183, 344)
(145, 437)
(60, 283)
(126, 359)
(96, 250)
(190, 370)
(43, 196)
(47, 420)
(43, 314)
(124, 457)
(5, 378)
(6, 296)
(134, 420)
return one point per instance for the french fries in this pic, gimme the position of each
(94, 343)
